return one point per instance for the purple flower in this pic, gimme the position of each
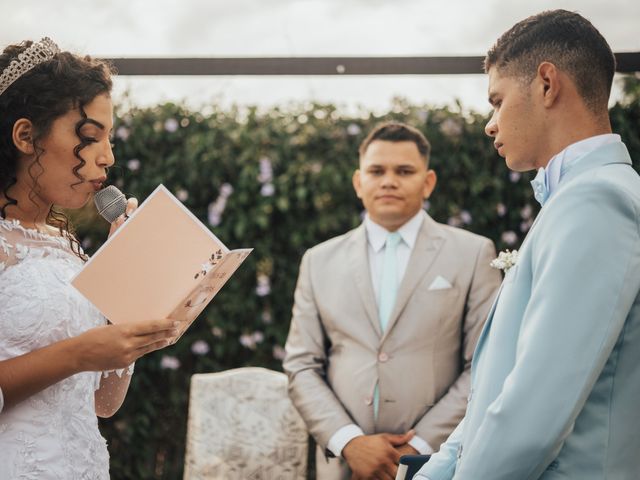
(247, 341)
(266, 170)
(267, 190)
(501, 209)
(171, 125)
(509, 237)
(278, 352)
(169, 362)
(451, 128)
(465, 217)
(264, 285)
(200, 347)
(266, 317)
(213, 217)
(514, 177)
(122, 133)
(454, 221)
(258, 337)
(182, 195)
(226, 189)
(353, 129)
(526, 212)
(217, 332)
(133, 164)
(526, 225)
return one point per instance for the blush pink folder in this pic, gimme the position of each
(162, 263)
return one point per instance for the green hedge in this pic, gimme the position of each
(284, 180)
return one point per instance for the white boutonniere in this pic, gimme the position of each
(505, 260)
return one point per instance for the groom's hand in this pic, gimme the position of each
(375, 456)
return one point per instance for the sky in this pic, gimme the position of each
(254, 28)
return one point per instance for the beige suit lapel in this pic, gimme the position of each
(428, 244)
(359, 268)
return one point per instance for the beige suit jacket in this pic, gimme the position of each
(336, 351)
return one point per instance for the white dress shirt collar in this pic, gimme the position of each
(377, 234)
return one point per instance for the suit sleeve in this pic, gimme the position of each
(445, 415)
(305, 364)
(585, 263)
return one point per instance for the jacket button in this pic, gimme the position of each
(383, 357)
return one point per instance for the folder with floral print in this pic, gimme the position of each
(162, 263)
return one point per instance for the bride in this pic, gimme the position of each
(61, 364)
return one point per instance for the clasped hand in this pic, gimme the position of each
(377, 456)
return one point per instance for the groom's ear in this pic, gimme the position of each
(429, 183)
(549, 83)
(355, 180)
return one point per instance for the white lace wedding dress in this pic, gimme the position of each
(53, 434)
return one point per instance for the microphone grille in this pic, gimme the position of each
(111, 203)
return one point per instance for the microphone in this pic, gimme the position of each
(111, 203)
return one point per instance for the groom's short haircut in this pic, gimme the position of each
(397, 132)
(563, 38)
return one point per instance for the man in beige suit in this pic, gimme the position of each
(386, 318)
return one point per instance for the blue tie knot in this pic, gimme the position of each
(393, 239)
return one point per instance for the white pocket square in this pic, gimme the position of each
(439, 283)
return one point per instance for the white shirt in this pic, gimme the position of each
(376, 238)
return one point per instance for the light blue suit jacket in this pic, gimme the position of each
(556, 372)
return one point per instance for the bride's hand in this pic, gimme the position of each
(132, 204)
(111, 347)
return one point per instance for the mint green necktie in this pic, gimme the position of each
(388, 293)
(389, 279)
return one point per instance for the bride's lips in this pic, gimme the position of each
(97, 183)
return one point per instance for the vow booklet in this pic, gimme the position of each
(161, 263)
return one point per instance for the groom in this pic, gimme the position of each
(556, 373)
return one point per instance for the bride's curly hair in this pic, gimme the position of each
(45, 93)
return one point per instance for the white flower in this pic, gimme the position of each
(505, 260)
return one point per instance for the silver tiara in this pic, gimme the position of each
(34, 55)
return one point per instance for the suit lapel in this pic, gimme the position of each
(428, 244)
(359, 268)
